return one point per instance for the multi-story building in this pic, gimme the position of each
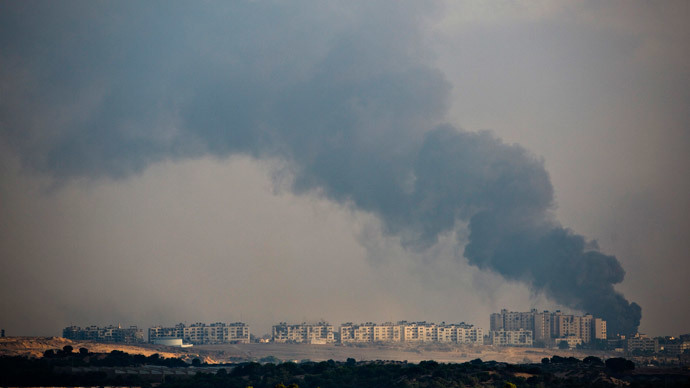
(460, 333)
(176, 331)
(547, 327)
(598, 329)
(565, 325)
(387, 332)
(317, 333)
(642, 343)
(201, 333)
(511, 320)
(542, 327)
(572, 341)
(677, 347)
(502, 337)
(104, 334)
(418, 332)
(404, 331)
(350, 332)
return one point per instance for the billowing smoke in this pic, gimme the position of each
(345, 95)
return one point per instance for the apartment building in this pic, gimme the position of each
(676, 348)
(201, 333)
(546, 327)
(542, 326)
(460, 333)
(511, 320)
(110, 333)
(572, 342)
(418, 332)
(598, 329)
(502, 337)
(642, 343)
(387, 332)
(565, 325)
(404, 331)
(310, 333)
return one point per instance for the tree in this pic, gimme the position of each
(563, 345)
(270, 359)
(196, 362)
(620, 364)
(593, 360)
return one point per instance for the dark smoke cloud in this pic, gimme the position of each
(343, 94)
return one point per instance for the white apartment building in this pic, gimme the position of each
(503, 337)
(387, 332)
(419, 332)
(317, 333)
(410, 332)
(201, 333)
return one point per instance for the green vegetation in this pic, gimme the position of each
(56, 369)
(49, 370)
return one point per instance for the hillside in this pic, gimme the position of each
(36, 346)
(212, 354)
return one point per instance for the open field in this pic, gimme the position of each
(35, 346)
(410, 353)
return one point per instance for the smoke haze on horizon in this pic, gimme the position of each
(341, 107)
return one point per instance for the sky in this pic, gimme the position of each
(266, 161)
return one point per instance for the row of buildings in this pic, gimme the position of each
(508, 328)
(403, 331)
(201, 333)
(130, 334)
(198, 333)
(545, 328)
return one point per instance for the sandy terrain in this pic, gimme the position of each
(437, 352)
(35, 346)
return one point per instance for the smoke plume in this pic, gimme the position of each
(346, 96)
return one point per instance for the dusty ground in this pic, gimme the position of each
(437, 352)
(35, 346)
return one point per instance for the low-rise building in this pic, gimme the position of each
(572, 341)
(170, 341)
(676, 348)
(104, 334)
(520, 337)
(316, 333)
(642, 343)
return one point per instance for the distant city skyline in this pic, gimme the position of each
(264, 162)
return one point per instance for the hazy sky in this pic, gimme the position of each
(177, 162)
